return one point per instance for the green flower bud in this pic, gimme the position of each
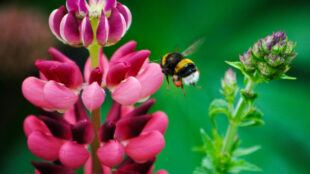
(248, 60)
(229, 85)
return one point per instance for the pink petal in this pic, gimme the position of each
(69, 29)
(103, 30)
(126, 13)
(96, 76)
(83, 132)
(58, 56)
(32, 89)
(58, 96)
(87, 34)
(150, 79)
(76, 113)
(58, 127)
(142, 109)
(127, 128)
(88, 168)
(83, 10)
(136, 60)
(32, 123)
(93, 96)
(114, 112)
(127, 48)
(44, 146)
(69, 116)
(128, 92)
(162, 172)
(117, 25)
(73, 155)
(111, 153)
(116, 73)
(109, 5)
(130, 166)
(159, 122)
(55, 19)
(125, 110)
(145, 147)
(72, 5)
(103, 64)
(47, 168)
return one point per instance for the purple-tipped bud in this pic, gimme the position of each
(83, 10)
(229, 78)
(229, 85)
(125, 12)
(109, 4)
(83, 132)
(247, 60)
(102, 30)
(107, 130)
(87, 34)
(96, 76)
(55, 19)
(69, 29)
(117, 27)
(72, 5)
(60, 129)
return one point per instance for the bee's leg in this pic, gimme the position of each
(196, 86)
(167, 79)
(183, 90)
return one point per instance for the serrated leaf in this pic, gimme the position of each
(245, 151)
(242, 165)
(207, 142)
(253, 122)
(286, 77)
(218, 106)
(237, 65)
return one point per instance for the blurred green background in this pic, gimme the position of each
(229, 27)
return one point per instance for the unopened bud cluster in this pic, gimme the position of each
(270, 57)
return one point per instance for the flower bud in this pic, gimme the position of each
(111, 153)
(229, 85)
(73, 155)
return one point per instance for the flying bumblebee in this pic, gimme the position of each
(181, 69)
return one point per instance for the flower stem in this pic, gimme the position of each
(94, 52)
(234, 122)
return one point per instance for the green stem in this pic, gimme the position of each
(234, 123)
(94, 52)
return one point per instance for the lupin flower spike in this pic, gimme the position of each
(82, 23)
(269, 59)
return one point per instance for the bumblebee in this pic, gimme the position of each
(181, 69)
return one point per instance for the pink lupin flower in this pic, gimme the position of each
(59, 84)
(129, 75)
(137, 134)
(52, 137)
(73, 25)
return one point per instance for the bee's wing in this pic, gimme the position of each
(193, 47)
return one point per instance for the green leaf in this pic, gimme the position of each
(253, 113)
(286, 77)
(200, 149)
(237, 65)
(242, 165)
(245, 151)
(207, 142)
(253, 122)
(218, 106)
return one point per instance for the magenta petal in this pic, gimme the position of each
(116, 73)
(114, 112)
(111, 153)
(32, 89)
(59, 129)
(44, 146)
(126, 110)
(136, 60)
(32, 123)
(73, 155)
(59, 96)
(87, 34)
(127, 128)
(55, 19)
(93, 96)
(72, 5)
(106, 131)
(47, 168)
(83, 132)
(146, 146)
(88, 168)
(102, 30)
(127, 48)
(126, 13)
(117, 25)
(58, 56)
(69, 29)
(128, 92)
(162, 172)
(142, 109)
(130, 166)
(83, 10)
(96, 76)
(76, 113)
(109, 4)
(150, 79)
(103, 64)
(159, 122)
